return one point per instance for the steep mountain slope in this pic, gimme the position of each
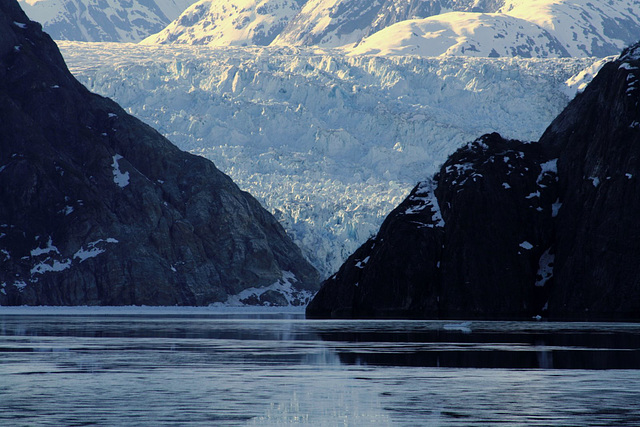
(231, 23)
(459, 33)
(103, 20)
(328, 144)
(548, 28)
(98, 208)
(510, 230)
(586, 28)
(332, 23)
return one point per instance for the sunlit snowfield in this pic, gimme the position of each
(151, 367)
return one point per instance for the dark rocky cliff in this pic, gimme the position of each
(511, 230)
(98, 208)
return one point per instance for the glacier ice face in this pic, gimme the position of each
(330, 144)
(103, 20)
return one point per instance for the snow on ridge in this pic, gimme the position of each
(463, 33)
(103, 20)
(229, 23)
(329, 144)
(578, 82)
(425, 197)
(593, 28)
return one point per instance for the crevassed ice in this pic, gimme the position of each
(329, 144)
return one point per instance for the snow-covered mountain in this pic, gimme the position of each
(527, 28)
(332, 23)
(103, 20)
(460, 33)
(585, 28)
(546, 28)
(328, 143)
(229, 23)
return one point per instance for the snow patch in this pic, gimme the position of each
(50, 266)
(19, 24)
(555, 208)
(20, 285)
(92, 250)
(361, 264)
(284, 286)
(548, 167)
(579, 82)
(47, 249)
(526, 245)
(533, 195)
(627, 66)
(121, 179)
(545, 267)
(424, 197)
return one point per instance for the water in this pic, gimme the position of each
(206, 368)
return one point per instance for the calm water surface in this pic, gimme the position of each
(227, 368)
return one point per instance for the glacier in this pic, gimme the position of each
(328, 143)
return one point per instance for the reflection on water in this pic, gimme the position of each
(274, 369)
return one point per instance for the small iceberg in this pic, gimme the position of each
(464, 327)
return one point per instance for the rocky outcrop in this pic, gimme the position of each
(511, 230)
(597, 268)
(98, 208)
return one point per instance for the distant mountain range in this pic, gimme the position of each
(526, 28)
(103, 20)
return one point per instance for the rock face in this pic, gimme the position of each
(98, 208)
(511, 230)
